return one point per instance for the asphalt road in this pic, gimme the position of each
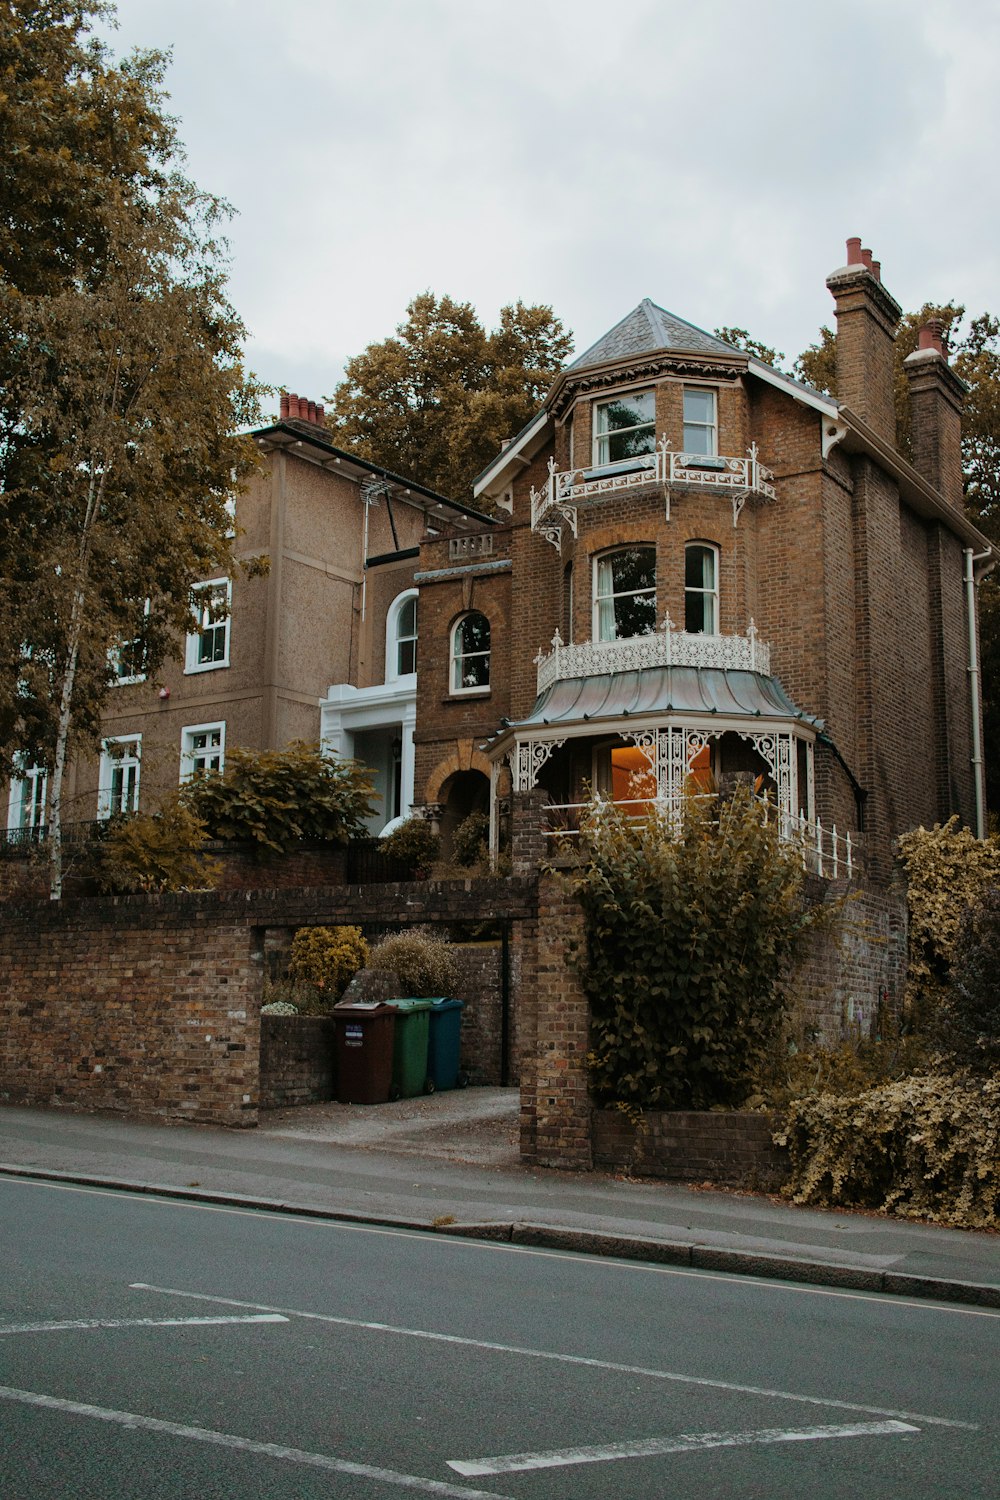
(171, 1351)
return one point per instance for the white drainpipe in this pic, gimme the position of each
(974, 689)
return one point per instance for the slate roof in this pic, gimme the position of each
(648, 328)
(664, 690)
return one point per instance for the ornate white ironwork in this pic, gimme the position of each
(550, 511)
(526, 760)
(565, 489)
(830, 854)
(666, 647)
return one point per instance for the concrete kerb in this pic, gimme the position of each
(578, 1241)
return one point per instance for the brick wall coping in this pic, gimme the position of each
(421, 900)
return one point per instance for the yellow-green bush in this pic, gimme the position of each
(327, 958)
(160, 851)
(921, 1147)
(948, 869)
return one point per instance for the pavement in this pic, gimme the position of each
(449, 1163)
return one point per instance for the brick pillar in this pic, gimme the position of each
(937, 396)
(866, 325)
(528, 845)
(555, 1020)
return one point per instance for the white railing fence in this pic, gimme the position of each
(823, 851)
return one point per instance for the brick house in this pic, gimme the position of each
(705, 568)
(333, 620)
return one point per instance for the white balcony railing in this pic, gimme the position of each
(666, 647)
(823, 851)
(567, 488)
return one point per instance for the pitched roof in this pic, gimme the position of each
(648, 328)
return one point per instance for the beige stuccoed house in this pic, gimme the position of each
(323, 645)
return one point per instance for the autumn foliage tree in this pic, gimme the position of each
(121, 383)
(438, 399)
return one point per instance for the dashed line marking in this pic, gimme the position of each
(685, 1442)
(567, 1359)
(136, 1421)
(72, 1324)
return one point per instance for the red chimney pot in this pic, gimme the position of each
(854, 251)
(877, 269)
(284, 405)
(866, 259)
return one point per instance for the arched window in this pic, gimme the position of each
(625, 593)
(701, 589)
(401, 636)
(470, 654)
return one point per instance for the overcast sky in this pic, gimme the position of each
(713, 156)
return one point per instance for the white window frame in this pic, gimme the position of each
(602, 439)
(28, 796)
(193, 755)
(599, 598)
(393, 640)
(111, 763)
(709, 596)
(205, 599)
(116, 653)
(454, 658)
(693, 425)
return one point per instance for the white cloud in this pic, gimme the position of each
(713, 157)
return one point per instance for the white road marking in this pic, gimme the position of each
(743, 1281)
(77, 1323)
(513, 1463)
(566, 1359)
(138, 1422)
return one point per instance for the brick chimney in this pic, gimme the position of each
(937, 396)
(866, 328)
(300, 412)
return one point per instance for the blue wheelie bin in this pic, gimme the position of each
(444, 1044)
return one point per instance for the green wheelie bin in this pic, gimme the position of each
(409, 1048)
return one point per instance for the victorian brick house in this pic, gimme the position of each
(337, 605)
(706, 568)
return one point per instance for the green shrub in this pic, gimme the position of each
(327, 958)
(415, 844)
(921, 1147)
(971, 1015)
(422, 962)
(470, 840)
(688, 932)
(159, 851)
(272, 799)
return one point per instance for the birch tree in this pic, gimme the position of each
(122, 389)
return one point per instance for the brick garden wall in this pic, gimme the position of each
(690, 1146)
(854, 963)
(147, 1005)
(150, 1004)
(849, 963)
(296, 1060)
